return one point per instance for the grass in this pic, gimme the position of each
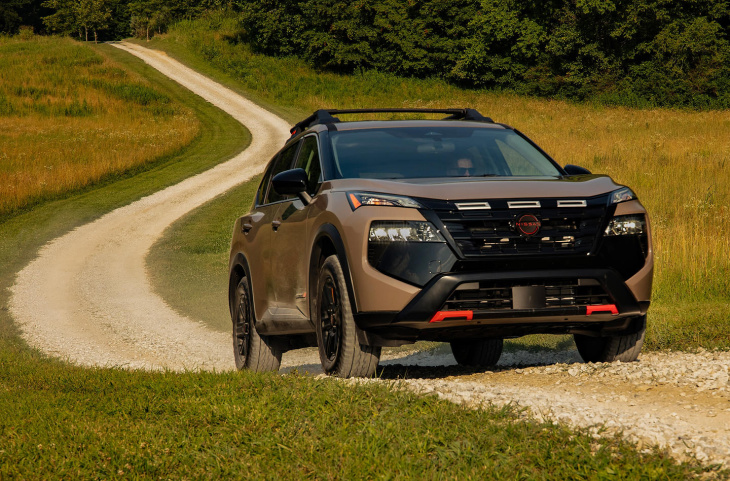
(676, 160)
(71, 116)
(68, 422)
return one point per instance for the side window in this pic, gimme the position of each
(280, 165)
(261, 192)
(309, 161)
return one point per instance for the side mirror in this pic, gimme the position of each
(292, 182)
(571, 169)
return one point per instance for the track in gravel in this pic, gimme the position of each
(98, 309)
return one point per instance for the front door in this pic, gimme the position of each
(291, 240)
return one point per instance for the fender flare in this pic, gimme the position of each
(239, 260)
(331, 233)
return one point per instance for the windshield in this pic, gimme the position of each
(418, 152)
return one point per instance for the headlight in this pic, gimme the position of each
(359, 199)
(621, 195)
(404, 231)
(626, 225)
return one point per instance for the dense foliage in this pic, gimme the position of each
(640, 52)
(630, 52)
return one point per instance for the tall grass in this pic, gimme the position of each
(676, 160)
(71, 116)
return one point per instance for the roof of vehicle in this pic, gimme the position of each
(384, 124)
(326, 117)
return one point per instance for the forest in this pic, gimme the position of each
(640, 53)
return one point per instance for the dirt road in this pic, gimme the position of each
(97, 306)
(87, 299)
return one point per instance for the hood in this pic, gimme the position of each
(464, 188)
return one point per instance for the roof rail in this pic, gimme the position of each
(324, 116)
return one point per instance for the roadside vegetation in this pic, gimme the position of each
(619, 52)
(676, 161)
(70, 116)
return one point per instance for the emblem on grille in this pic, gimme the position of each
(528, 225)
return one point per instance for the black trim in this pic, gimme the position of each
(325, 116)
(413, 322)
(239, 260)
(331, 232)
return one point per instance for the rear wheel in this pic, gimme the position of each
(250, 350)
(624, 348)
(477, 353)
(340, 352)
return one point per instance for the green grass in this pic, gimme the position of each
(68, 422)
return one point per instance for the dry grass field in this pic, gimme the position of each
(70, 117)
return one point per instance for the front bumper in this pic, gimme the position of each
(610, 308)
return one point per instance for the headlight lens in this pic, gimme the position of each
(404, 231)
(626, 225)
(359, 199)
(621, 195)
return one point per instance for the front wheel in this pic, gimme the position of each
(624, 348)
(340, 352)
(250, 350)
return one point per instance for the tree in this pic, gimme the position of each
(92, 15)
(10, 18)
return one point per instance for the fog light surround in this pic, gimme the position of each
(404, 231)
(634, 224)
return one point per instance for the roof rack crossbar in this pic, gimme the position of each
(326, 116)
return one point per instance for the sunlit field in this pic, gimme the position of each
(70, 117)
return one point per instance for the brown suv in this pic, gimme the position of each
(378, 233)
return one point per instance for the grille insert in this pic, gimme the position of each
(565, 227)
(497, 295)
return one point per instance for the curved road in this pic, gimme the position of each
(98, 309)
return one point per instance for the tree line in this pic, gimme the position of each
(630, 52)
(101, 19)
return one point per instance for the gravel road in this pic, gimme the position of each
(98, 309)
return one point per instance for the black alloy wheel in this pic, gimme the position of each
(251, 351)
(330, 325)
(242, 326)
(340, 351)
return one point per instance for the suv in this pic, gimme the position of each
(374, 233)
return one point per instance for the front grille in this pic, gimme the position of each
(492, 231)
(497, 295)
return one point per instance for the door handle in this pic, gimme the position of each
(246, 228)
(275, 224)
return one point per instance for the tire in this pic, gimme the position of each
(251, 351)
(340, 352)
(478, 353)
(624, 348)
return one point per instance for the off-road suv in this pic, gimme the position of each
(377, 233)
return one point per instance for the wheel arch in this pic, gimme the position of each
(327, 242)
(239, 269)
